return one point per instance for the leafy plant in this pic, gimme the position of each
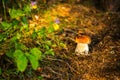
(21, 60)
(16, 14)
(34, 57)
(15, 30)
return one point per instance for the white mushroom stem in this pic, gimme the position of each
(82, 48)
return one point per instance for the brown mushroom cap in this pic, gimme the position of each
(83, 39)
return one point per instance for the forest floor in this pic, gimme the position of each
(103, 63)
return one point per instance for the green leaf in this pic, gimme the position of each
(49, 43)
(34, 35)
(22, 63)
(15, 14)
(42, 32)
(24, 20)
(36, 52)
(5, 25)
(47, 47)
(15, 23)
(18, 53)
(27, 9)
(2, 37)
(14, 39)
(18, 35)
(40, 78)
(21, 60)
(50, 29)
(62, 44)
(34, 61)
(24, 23)
(50, 52)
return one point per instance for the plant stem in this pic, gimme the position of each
(4, 10)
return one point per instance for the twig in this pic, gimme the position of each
(54, 71)
(69, 30)
(70, 39)
(72, 69)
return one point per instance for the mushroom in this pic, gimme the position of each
(82, 44)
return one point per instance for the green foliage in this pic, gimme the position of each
(27, 9)
(34, 61)
(14, 39)
(40, 78)
(16, 31)
(51, 28)
(24, 23)
(36, 52)
(21, 60)
(5, 25)
(49, 52)
(20, 46)
(2, 37)
(42, 32)
(16, 14)
(10, 53)
(34, 35)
